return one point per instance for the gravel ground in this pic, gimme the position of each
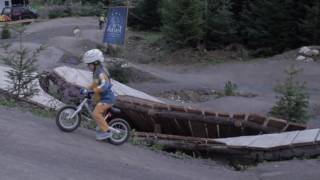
(34, 148)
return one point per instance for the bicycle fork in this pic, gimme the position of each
(113, 130)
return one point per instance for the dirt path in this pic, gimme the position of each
(256, 77)
(33, 148)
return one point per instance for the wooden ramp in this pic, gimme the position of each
(70, 80)
(150, 116)
(276, 146)
(273, 141)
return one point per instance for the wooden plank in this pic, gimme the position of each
(267, 141)
(184, 127)
(286, 142)
(238, 142)
(318, 138)
(190, 127)
(275, 141)
(256, 118)
(206, 130)
(295, 127)
(270, 141)
(276, 123)
(198, 129)
(241, 117)
(179, 126)
(212, 131)
(306, 137)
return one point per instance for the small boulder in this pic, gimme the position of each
(309, 59)
(315, 52)
(301, 58)
(304, 50)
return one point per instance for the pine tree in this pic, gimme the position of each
(183, 22)
(311, 24)
(293, 100)
(146, 15)
(221, 27)
(243, 22)
(5, 33)
(271, 25)
(263, 23)
(22, 74)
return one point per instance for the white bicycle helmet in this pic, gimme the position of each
(92, 56)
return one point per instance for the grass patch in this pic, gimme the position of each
(152, 37)
(156, 147)
(41, 112)
(7, 102)
(215, 61)
(230, 89)
(180, 155)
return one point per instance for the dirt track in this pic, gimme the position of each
(256, 77)
(34, 148)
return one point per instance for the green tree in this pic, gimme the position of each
(183, 22)
(146, 15)
(293, 99)
(271, 25)
(5, 33)
(311, 23)
(221, 27)
(22, 75)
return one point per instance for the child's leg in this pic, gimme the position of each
(98, 115)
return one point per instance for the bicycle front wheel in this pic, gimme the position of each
(65, 122)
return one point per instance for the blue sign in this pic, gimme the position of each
(116, 26)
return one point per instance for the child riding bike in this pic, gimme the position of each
(103, 96)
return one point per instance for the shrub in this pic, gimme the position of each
(293, 99)
(22, 73)
(5, 34)
(230, 89)
(118, 73)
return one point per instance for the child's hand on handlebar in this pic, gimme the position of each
(84, 91)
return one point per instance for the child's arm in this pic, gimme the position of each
(104, 80)
(91, 86)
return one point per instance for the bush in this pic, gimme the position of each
(75, 10)
(145, 15)
(58, 12)
(230, 89)
(88, 10)
(182, 22)
(293, 100)
(5, 34)
(22, 73)
(118, 73)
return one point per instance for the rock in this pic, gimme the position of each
(301, 58)
(309, 59)
(315, 52)
(308, 53)
(304, 50)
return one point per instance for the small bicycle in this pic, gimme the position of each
(69, 118)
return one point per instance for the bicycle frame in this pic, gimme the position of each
(85, 104)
